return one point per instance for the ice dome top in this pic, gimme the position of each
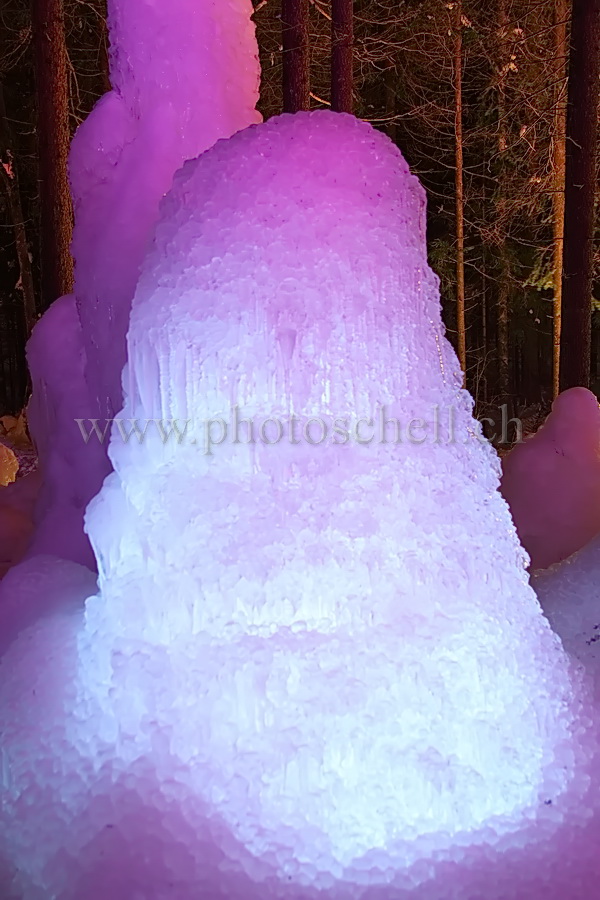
(259, 239)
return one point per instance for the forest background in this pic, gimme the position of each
(474, 92)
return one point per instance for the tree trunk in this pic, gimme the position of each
(558, 179)
(484, 339)
(580, 190)
(459, 191)
(104, 56)
(10, 183)
(296, 64)
(391, 86)
(54, 137)
(503, 282)
(342, 55)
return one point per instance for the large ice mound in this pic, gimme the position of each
(314, 668)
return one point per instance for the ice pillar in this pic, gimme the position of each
(184, 74)
(312, 539)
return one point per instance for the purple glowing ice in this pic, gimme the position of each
(315, 666)
(184, 73)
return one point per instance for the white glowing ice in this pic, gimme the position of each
(313, 670)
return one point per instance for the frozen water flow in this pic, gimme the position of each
(184, 73)
(315, 667)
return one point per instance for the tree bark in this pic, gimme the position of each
(391, 84)
(459, 191)
(104, 56)
(342, 55)
(503, 282)
(10, 183)
(558, 179)
(580, 190)
(296, 64)
(52, 81)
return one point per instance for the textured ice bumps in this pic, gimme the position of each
(184, 74)
(375, 670)
(314, 665)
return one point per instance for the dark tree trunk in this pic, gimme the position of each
(10, 183)
(580, 189)
(104, 56)
(342, 55)
(296, 80)
(461, 332)
(558, 179)
(54, 137)
(391, 103)
(503, 335)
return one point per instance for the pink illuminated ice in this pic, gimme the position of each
(552, 480)
(314, 669)
(184, 73)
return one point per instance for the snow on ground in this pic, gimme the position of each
(570, 597)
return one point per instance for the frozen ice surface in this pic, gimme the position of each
(17, 503)
(44, 586)
(67, 464)
(184, 73)
(312, 671)
(552, 480)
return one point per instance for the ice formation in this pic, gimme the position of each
(68, 464)
(314, 668)
(184, 74)
(552, 480)
(17, 502)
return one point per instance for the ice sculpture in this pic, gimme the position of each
(71, 468)
(184, 74)
(552, 480)
(315, 667)
(243, 307)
